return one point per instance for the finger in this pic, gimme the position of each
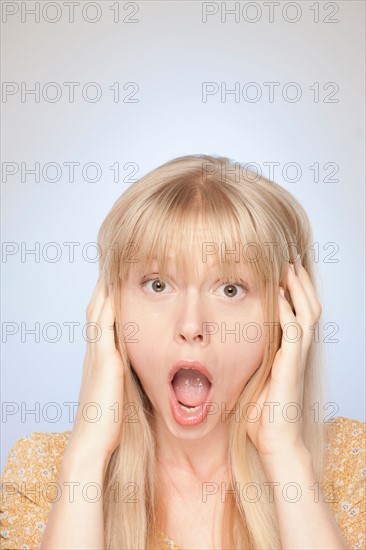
(288, 365)
(291, 332)
(93, 332)
(303, 310)
(95, 290)
(106, 343)
(308, 286)
(97, 300)
(110, 293)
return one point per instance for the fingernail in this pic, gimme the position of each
(282, 292)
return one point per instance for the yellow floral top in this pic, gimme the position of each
(36, 458)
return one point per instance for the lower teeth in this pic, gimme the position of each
(190, 409)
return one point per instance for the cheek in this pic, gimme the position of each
(245, 359)
(242, 359)
(243, 336)
(140, 341)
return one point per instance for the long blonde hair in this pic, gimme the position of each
(159, 213)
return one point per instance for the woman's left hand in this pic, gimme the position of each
(277, 430)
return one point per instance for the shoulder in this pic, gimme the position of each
(345, 476)
(166, 543)
(341, 429)
(28, 487)
(35, 451)
(345, 450)
(46, 441)
(345, 442)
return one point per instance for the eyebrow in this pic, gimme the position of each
(247, 277)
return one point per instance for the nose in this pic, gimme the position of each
(190, 319)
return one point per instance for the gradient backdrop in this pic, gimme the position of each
(130, 85)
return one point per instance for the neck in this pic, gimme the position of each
(197, 458)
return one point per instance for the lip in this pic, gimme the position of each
(191, 364)
(189, 419)
(180, 415)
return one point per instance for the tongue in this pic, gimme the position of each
(191, 387)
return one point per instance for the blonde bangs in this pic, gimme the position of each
(187, 215)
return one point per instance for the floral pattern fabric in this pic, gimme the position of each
(32, 467)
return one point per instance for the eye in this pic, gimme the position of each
(230, 290)
(157, 284)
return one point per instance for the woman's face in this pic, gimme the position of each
(221, 326)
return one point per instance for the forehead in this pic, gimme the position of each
(203, 249)
(202, 265)
(198, 258)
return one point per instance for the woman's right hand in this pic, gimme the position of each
(101, 385)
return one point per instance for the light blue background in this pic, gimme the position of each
(169, 52)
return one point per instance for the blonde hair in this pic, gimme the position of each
(158, 214)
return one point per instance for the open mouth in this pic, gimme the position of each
(191, 389)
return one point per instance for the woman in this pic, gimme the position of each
(205, 371)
